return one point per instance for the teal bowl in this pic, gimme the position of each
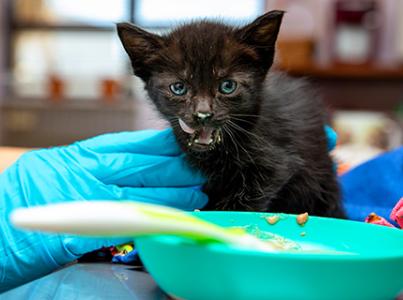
(368, 263)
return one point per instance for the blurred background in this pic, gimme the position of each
(64, 75)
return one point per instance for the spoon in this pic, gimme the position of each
(133, 219)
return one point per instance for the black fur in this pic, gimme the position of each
(271, 154)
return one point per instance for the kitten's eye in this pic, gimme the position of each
(178, 88)
(227, 86)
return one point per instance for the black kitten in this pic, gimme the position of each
(258, 138)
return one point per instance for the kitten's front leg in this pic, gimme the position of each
(238, 200)
(248, 191)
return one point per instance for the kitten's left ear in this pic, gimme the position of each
(262, 34)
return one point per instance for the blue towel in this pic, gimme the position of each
(375, 186)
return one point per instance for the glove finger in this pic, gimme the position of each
(80, 245)
(188, 198)
(331, 138)
(138, 170)
(153, 142)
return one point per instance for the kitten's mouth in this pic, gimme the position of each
(204, 138)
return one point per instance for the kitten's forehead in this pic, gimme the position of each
(205, 49)
(207, 35)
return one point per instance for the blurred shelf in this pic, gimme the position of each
(37, 122)
(68, 104)
(350, 87)
(366, 72)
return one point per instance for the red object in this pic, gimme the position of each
(110, 90)
(56, 88)
(397, 213)
(373, 218)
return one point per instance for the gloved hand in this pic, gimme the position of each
(143, 166)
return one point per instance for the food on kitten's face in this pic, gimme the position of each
(205, 137)
(200, 73)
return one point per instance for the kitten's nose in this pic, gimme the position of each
(203, 111)
(203, 117)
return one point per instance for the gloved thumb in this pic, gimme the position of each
(185, 198)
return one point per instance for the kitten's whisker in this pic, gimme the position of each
(231, 138)
(262, 141)
(245, 115)
(264, 146)
(254, 120)
(243, 121)
(255, 117)
(245, 132)
(246, 152)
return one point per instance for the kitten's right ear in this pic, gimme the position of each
(141, 46)
(262, 34)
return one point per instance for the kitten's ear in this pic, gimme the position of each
(262, 34)
(141, 46)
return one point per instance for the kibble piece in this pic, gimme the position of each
(302, 219)
(303, 233)
(272, 219)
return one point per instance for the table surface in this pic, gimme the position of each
(93, 281)
(9, 155)
(90, 281)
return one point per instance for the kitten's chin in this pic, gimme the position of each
(201, 139)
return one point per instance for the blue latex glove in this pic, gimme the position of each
(331, 138)
(144, 166)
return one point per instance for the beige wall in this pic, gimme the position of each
(2, 44)
(400, 31)
(2, 58)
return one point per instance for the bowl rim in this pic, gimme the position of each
(223, 249)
